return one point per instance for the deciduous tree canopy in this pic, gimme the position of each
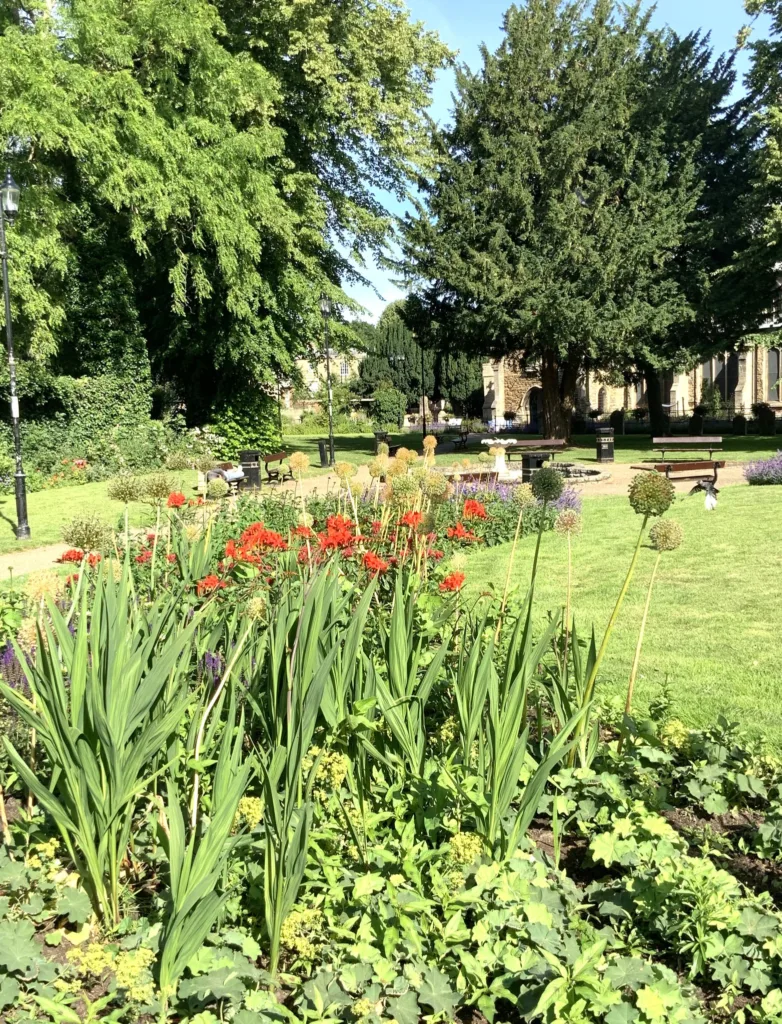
(210, 164)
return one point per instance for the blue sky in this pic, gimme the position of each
(465, 24)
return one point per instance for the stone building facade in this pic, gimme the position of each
(742, 378)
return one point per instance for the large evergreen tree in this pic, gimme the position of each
(225, 156)
(728, 282)
(554, 214)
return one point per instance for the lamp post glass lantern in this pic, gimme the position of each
(325, 308)
(9, 207)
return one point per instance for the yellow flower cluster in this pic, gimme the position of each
(256, 607)
(674, 733)
(362, 1008)
(90, 961)
(332, 769)
(132, 969)
(429, 443)
(302, 932)
(249, 812)
(448, 731)
(466, 848)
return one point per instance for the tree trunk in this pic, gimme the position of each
(558, 381)
(658, 421)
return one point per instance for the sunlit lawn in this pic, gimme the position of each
(50, 510)
(714, 631)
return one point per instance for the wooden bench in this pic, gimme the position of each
(540, 450)
(281, 472)
(687, 444)
(686, 470)
(460, 442)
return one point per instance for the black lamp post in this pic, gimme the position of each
(325, 308)
(9, 204)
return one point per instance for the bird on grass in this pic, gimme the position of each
(711, 493)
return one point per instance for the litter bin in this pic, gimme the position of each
(251, 467)
(381, 437)
(323, 448)
(605, 444)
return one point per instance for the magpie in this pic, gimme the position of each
(711, 493)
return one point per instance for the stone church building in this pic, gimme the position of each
(743, 379)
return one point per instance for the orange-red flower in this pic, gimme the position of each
(339, 533)
(376, 527)
(71, 555)
(474, 509)
(374, 562)
(171, 557)
(257, 538)
(209, 584)
(460, 532)
(453, 582)
(144, 556)
(176, 499)
(412, 519)
(93, 559)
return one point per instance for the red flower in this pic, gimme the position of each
(453, 582)
(150, 538)
(80, 463)
(374, 562)
(144, 556)
(196, 501)
(460, 532)
(257, 538)
(376, 527)
(474, 509)
(302, 531)
(231, 551)
(72, 579)
(92, 560)
(171, 557)
(71, 555)
(209, 584)
(412, 519)
(340, 533)
(435, 553)
(176, 499)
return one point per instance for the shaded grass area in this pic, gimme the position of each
(714, 629)
(50, 510)
(630, 448)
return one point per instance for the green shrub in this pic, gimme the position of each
(389, 406)
(251, 421)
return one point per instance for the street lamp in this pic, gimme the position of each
(9, 207)
(325, 308)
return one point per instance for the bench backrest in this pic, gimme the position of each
(550, 443)
(690, 441)
(276, 457)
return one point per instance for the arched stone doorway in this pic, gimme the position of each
(533, 409)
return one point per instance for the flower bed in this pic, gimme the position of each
(765, 471)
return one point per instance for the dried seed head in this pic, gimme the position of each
(651, 494)
(547, 484)
(666, 535)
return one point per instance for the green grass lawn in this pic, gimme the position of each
(630, 448)
(714, 627)
(50, 510)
